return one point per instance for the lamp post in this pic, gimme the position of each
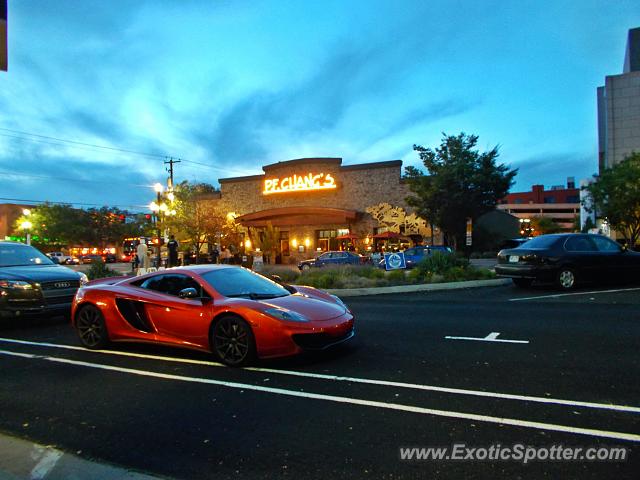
(160, 210)
(26, 226)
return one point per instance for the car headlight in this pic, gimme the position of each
(287, 315)
(83, 279)
(340, 302)
(15, 285)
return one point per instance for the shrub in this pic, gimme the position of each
(100, 270)
(397, 277)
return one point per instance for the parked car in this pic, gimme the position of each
(331, 258)
(234, 313)
(59, 257)
(414, 255)
(91, 258)
(567, 260)
(109, 257)
(31, 284)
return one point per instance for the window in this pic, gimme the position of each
(573, 199)
(549, 199)
(605, 245)
(544, 241)
(239, 282)
(579, 244)
(170, 284)
(410, 251)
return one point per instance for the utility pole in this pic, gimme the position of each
(170, 162)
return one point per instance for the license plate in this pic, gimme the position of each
(513, 258)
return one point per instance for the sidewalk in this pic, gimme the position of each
(21, 459)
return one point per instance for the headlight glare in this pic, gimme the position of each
(83, 279)
(286, 315)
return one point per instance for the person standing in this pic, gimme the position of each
(172, 246)
(141, 252)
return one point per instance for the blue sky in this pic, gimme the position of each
(229, 86)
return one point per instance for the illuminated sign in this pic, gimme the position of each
(299, 183)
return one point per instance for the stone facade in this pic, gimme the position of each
(307, 215)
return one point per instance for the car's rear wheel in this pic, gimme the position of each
(566, 278)
(233, 341)
(522, 282)
(91, 327)
(305, 267)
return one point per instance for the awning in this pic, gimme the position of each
(291, 216)
(349, 236)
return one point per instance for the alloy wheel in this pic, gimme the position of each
(233, 341)
(91, 328)
(566, 279)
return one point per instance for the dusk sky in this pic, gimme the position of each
(229, 86)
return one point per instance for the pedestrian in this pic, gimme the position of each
(215, 253)
(172, 246)
(225, 255)
(141, 252)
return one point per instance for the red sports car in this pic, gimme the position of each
(228, 310)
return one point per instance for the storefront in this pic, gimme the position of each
(318, 204)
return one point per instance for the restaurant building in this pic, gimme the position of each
(318, 204)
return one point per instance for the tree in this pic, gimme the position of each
(267, 240)
(195, 221)
(544, 225)
(56, 225)
(461, 183)
(615, 195)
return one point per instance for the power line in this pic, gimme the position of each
(77, 144)
(68, 179)
(85, 144)
(70, 203)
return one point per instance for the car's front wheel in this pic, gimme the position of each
(305, 267)
(522, 282)
(232, 341)
(566, 278)
(91, 327)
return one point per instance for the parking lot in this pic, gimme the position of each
(475, 366)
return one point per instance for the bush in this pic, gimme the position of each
(100, 270)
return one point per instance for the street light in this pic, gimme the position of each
(26, 226)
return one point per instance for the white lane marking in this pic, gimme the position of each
(492, 337)
(347, 400)
(574, 293)
(50, 457)
(337, 378)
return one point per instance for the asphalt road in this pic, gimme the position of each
(571, 375)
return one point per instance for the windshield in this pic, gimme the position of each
(239, 282)
(22, 255)
(544, 241)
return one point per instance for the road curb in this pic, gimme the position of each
(21, 459)
(427, 287)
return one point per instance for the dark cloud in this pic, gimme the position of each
(553, 169)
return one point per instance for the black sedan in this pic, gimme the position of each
(31, 284)
(331, 258)
(568, 259)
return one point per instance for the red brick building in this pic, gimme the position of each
(560, 203)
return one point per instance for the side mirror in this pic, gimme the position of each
(624, 247)
(188, 293)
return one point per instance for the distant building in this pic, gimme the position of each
(619, 108)
(560, 203)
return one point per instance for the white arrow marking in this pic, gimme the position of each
(492, 337)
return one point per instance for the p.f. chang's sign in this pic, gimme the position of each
(299, 183)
